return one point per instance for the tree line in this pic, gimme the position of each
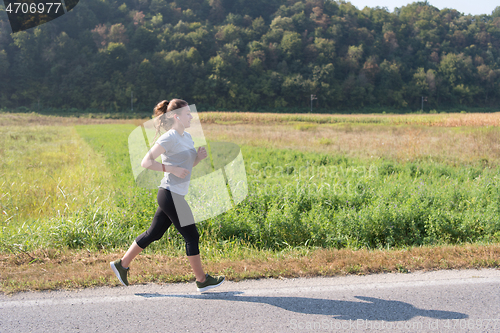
(252, 56)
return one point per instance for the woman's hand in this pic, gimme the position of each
(180, 172)
(202, 153)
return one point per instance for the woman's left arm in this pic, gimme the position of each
(202, 153)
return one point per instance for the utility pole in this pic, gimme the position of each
(313, 97)
(424, 99)
(131, 100)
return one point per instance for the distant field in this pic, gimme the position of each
(315, 181)
(451, 139)
(441, 119)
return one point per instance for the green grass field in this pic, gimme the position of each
(72, 187)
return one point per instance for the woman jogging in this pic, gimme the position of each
(178, 158)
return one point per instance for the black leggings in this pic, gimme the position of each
(165, 215)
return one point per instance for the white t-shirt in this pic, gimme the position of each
(180, 152)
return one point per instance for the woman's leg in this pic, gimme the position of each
(195, 262)
(132, 252)
(161, 222)
(191, 237)
(189, 231)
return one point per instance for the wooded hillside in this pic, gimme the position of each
(252, 55)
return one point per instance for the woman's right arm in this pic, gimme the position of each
(149, 162)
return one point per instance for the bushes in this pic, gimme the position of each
(394, 210)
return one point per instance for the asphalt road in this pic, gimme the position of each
(439, 301)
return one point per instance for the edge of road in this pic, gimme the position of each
(255, 287)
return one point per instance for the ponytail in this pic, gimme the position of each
(161, 108)
(164, 120)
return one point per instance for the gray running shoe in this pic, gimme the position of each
(210, 282)
(120, 272)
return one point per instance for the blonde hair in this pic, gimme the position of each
(164, 113)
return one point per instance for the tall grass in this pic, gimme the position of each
(395, 205)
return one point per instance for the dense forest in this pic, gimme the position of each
(253, 55)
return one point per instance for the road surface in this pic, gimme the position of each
(437, 301)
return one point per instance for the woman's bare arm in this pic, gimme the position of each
(149, 162)
(201, 154)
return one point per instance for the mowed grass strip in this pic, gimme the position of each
(46, 171)
(63, 269)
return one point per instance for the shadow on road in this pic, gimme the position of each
(369, 308)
